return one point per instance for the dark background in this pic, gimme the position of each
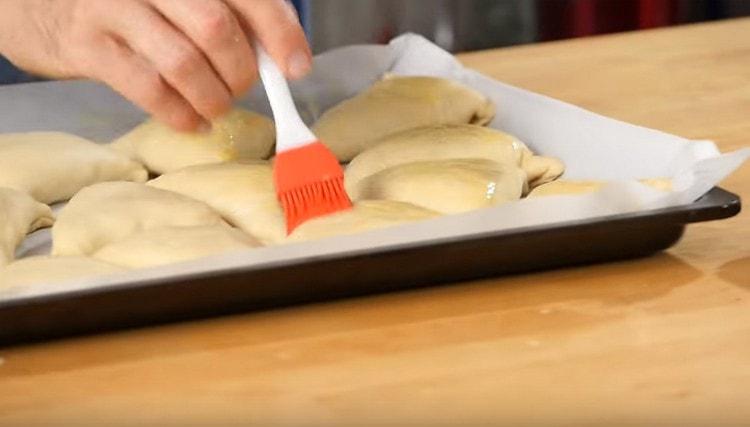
(462, 25)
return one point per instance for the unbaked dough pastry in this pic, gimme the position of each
(241, 134)
(450, 142)
(539, 169)
(563, 187)
(243, 193)
(663, 184)
(169, 245)
(19, 216)
(43, 269)
(111, 211)
(53, 166)
(364, 216)
(445, 186)
(395, 104)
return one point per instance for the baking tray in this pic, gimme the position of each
(404, 266)
(532, 234)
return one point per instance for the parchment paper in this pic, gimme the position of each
(592, 147)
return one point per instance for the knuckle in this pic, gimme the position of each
(214, 23)
(183, 63)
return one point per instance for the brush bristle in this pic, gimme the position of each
(310, 201)
(309, 183)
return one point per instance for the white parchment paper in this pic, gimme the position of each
(592, 147)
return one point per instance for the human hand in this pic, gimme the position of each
(183, 61)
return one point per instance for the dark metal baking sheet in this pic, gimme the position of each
(380, 270)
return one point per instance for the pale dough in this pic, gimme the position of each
(445, 186)
(566, 187)
(169, 245)
(539, 169)
(396, 104)
(240, 134)
(450, 142)
(38, 270)
(243, 193)
(364, 216)
(663, 184)
(19, 216)
(563, 187)
(109, 212)
(53, 166)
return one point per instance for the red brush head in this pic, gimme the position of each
(309, 183)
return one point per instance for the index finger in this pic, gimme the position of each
(276, 25)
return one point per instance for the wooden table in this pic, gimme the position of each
(663, 339)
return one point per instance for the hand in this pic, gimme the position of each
(183, 61)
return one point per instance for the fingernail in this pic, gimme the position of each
(203, 127)
(298, 65)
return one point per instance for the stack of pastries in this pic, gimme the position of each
(415, 148)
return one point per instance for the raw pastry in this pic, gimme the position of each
(663, 184)
(111, 211)
(240, 134)
(37, 270)
(243, 193)
(169, 245)
(566, 187)
(19, 216)
(366, 215)
(450, 142)
(53, 166)
(562, 187)
(445, 186)
(396, 104)
(539, 169)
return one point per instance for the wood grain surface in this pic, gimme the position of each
(663, 340)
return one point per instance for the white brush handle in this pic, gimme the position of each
(291, 131)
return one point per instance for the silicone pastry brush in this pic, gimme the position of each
(309, 179)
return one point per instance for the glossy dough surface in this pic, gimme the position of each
(53, 166)
(240, 134)
(364, 216)
(445, 186)
(168, 245)
(395, 104)
(19, 216)
(539, 169)
(109, 212)
(450, 143)
(243, 193)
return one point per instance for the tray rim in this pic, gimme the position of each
(704, 209)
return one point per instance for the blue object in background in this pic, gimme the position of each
(303, 11)
(10, 74)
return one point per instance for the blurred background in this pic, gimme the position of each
(463, 25)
